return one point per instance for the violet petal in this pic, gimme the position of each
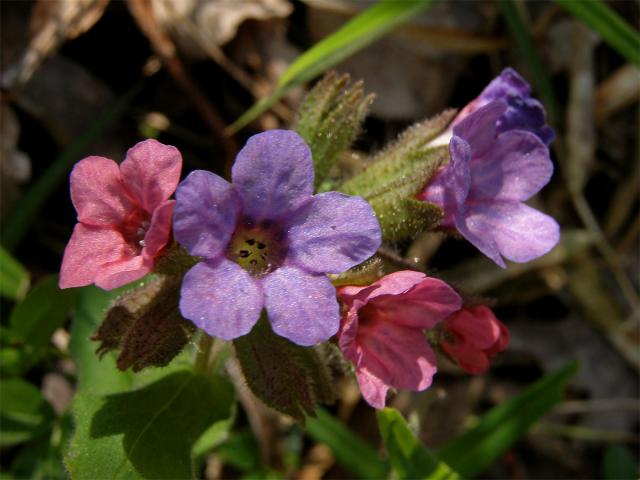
(221, 298)
(274, 174)
(332, 233)
(206, 211)
(301, 306)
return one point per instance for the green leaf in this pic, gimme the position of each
(148, 432)
(474, 450)
(285, 376)
(613, 29)
(43, 310)
(409, 458)
(240, 451)
(350, 451)
(24, 413)
(135, 426)
(619, 464)
(14, 279)
(356, 34)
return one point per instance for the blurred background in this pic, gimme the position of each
(84, 77)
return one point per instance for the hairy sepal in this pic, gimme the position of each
(287, 377)
(330, 118)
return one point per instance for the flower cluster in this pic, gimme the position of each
(265, 244)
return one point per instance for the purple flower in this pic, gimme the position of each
(266, 242)
(489, 175)
(522, 113)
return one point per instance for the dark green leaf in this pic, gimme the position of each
(409, 458)
(613, 29)
(149, 432)
(43, 310)
(356, 34)
(474, 450)
(285, 376)
(350, 451)
(142, 425)
(14, 279)
(619, 464)
(24, 413)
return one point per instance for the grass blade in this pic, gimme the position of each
(474, 450)
(353, 453)
(356, 34)
(409, 457)
(613, 29)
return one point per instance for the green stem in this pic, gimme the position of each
(203, 356)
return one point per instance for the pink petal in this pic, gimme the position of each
(399, 356)
(516, 168)
(98, 193)
(301, 306)
(274, 174)
(470, 359)
(221, 298)
(332, 233)
(476, 326)
(125, 270)
(151, 171)
(502, 342)
(159, 231)
(422, 306)
(88, 250)
(373, 390)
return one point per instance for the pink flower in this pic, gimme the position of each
(124, 215)
(381, 331)
(472, 336)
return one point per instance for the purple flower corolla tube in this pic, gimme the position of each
(523, 112)
(490, 173)
(267, 242)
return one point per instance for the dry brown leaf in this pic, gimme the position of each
(52, 23)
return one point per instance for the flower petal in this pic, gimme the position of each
(221, 298)
(88, 250)
(98, 194)
(151, 171)
(470, 359)
(479, 128)
(515, 230)
(450, 187)
(373, 390)
(399, 356)
(477, 326)
(301, 306)
(422, 306)
(332, 233)
(206, 212)
(274, 174)
(160, 229)
(516, 168)
(126, 270)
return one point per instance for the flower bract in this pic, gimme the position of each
(267, 242)
(124, 215)
(382, 331)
